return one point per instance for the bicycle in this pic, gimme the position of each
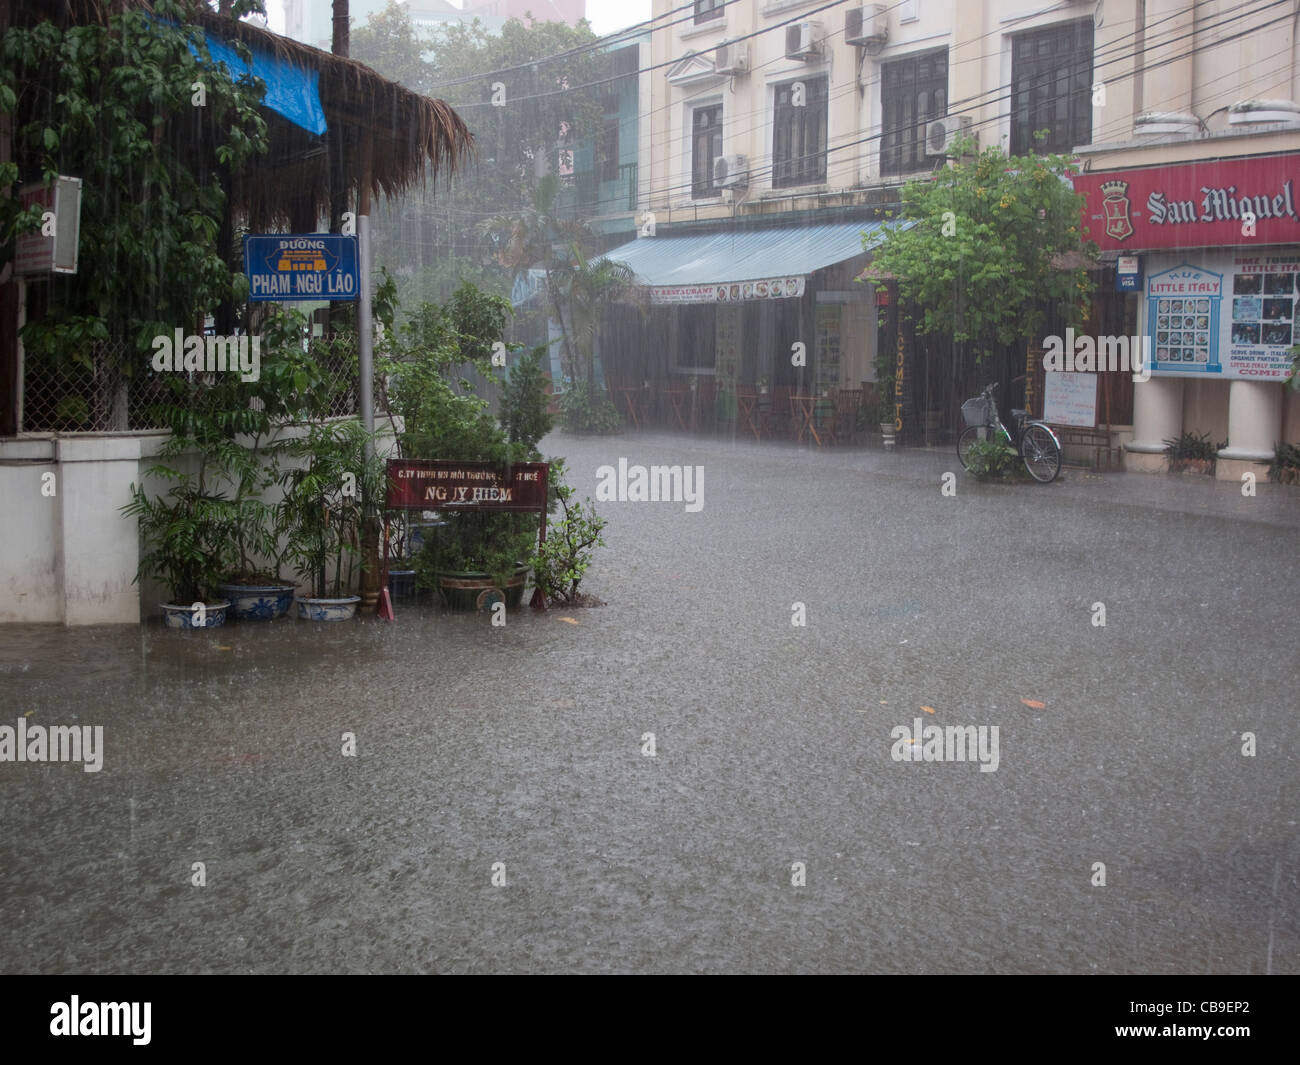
(1034, 441)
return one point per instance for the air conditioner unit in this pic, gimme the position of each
(803, 40)
(731, 57)
(940, 133)
(866, 26)
(731, 171)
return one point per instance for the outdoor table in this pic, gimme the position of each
(753, 418)
(678, 397)
(630, 402)
(824, 418)
(803, 411)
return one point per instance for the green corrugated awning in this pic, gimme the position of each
(743, 264)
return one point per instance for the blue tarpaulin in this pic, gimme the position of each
(291, 90)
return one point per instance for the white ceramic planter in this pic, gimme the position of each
(176, 616)
(328, 609)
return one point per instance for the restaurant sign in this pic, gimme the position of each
(772, 288)
(1194, 205)
(1234, 316)
(445, 484)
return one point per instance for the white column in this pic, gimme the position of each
(1254, 428)
(1157, 417)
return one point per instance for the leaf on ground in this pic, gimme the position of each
(568, 621)
(928, 709)
(1033, 704)
(221, 648)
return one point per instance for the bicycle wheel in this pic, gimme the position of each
(1041, 454)
(969, 436)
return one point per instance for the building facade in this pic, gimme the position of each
(772, 122)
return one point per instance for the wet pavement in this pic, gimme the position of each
(523, 745)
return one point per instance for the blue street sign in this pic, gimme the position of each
(301, 266)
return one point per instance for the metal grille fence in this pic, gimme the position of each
(115, 389)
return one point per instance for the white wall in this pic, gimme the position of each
(71, 557)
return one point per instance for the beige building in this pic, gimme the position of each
(772, 122)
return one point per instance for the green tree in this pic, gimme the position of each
(111, 102)
(590, 286)
(995, 240)
(525, 122)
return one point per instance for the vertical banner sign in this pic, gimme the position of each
(898, 384)
(1033, 360)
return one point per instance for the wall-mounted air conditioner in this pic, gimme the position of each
(940, 133)
(867, 27)
(731, 57)
(803, 40)
(731, 171)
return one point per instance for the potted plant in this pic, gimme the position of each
(476, 557)
(186, 536)
(480, 557)
(254, 588)
(562, 560)
(1192, 453)
(326, 500)
(1285, 467)
(885, 411)
(292, 386)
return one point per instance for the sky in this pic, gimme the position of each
(605, 16)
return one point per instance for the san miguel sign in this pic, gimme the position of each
(440, 484)
(1194, 205)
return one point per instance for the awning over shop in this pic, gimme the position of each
(743, 264)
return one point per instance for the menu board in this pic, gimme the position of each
(1265, 312)
(1070, 399)
(1231, 316)
(1183, 310)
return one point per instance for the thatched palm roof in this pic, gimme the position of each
(412, 136)
(400, 136)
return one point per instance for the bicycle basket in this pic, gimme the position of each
(976, 412)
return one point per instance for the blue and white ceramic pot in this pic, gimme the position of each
(208, 616)
(257, 602)
(328, 609)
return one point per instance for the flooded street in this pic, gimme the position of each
(526, 745)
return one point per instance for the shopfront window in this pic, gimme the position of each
(913, 93)
(1051, 88)
(799, 133)
(707, 10)
(706, 146)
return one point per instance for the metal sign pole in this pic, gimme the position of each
(365, 337)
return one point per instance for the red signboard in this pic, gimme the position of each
(442, 484)
(1194, 205)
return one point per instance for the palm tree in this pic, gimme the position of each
(590, 286)
(533, 237)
